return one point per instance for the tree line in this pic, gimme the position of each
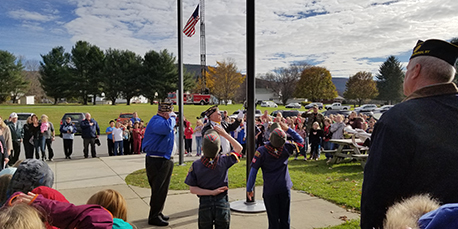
(88, 71)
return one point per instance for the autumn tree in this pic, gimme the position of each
(11, 79)
(55, 77)
(360, 87)
(283, 81)
(390, 79)
(223, 80)
(315, 84)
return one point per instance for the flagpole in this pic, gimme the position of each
(203, 48)
(180, 85)
(250, 206)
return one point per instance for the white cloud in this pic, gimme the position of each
(345, 36)
(30, 16)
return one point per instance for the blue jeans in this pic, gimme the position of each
(214, 210)
(327, 146)
(43, 146)
(315, 150)
(277, 207)
(118, 148)
(199, 145)
(36, 146)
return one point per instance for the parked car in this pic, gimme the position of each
(293, 105)
(124, 116)
(366, 107)
(22, 118)
(337, 106)
(310, 105)
(286, 113)
(268, 104)
(345, 113)
(383, 108)
(76, 119)
(257, 113)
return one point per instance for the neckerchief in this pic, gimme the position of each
(273, 151)
(209, 162)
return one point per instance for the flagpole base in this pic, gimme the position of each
(248, 207)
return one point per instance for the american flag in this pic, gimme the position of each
(190, 27)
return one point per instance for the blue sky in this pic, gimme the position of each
(345, 36)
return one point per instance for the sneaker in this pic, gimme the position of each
(51, 159)
(305, 159)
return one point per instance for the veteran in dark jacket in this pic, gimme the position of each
(215, 119)
(412, 153)
(90, 131)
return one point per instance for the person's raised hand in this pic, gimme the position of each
(220, 130)
(240, 115)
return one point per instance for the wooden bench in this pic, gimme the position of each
(361, 158)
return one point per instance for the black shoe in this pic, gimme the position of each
(164, 217)
(69, 157)
(158, 222)
(85, 156)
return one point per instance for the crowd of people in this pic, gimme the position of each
(407, 177)
(315, 129)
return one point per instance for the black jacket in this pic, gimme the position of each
(414, 151)
(228, 127)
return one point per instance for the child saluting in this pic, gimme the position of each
(272, 158)
(207, 178)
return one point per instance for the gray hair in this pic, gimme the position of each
(435, 69)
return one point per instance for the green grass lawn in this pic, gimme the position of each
(340, 184)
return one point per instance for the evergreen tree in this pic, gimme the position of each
(390, 79)
(360, 87)
(55, 78)
(11, 79)
(87, 63)
(131, 67)
(160, 75)
(112, 82)
(316, 84)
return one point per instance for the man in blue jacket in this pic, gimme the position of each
(90, 131)
(158, 146)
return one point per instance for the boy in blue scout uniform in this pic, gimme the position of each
(207, 178)
(273, 159)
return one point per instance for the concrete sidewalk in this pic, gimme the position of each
(80, 178)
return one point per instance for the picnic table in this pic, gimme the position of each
(352, 151)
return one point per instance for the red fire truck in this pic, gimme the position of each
(197, 99)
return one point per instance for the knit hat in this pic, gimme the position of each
(165, 107)
(211, 143)
(31, 173)
(277, 136)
